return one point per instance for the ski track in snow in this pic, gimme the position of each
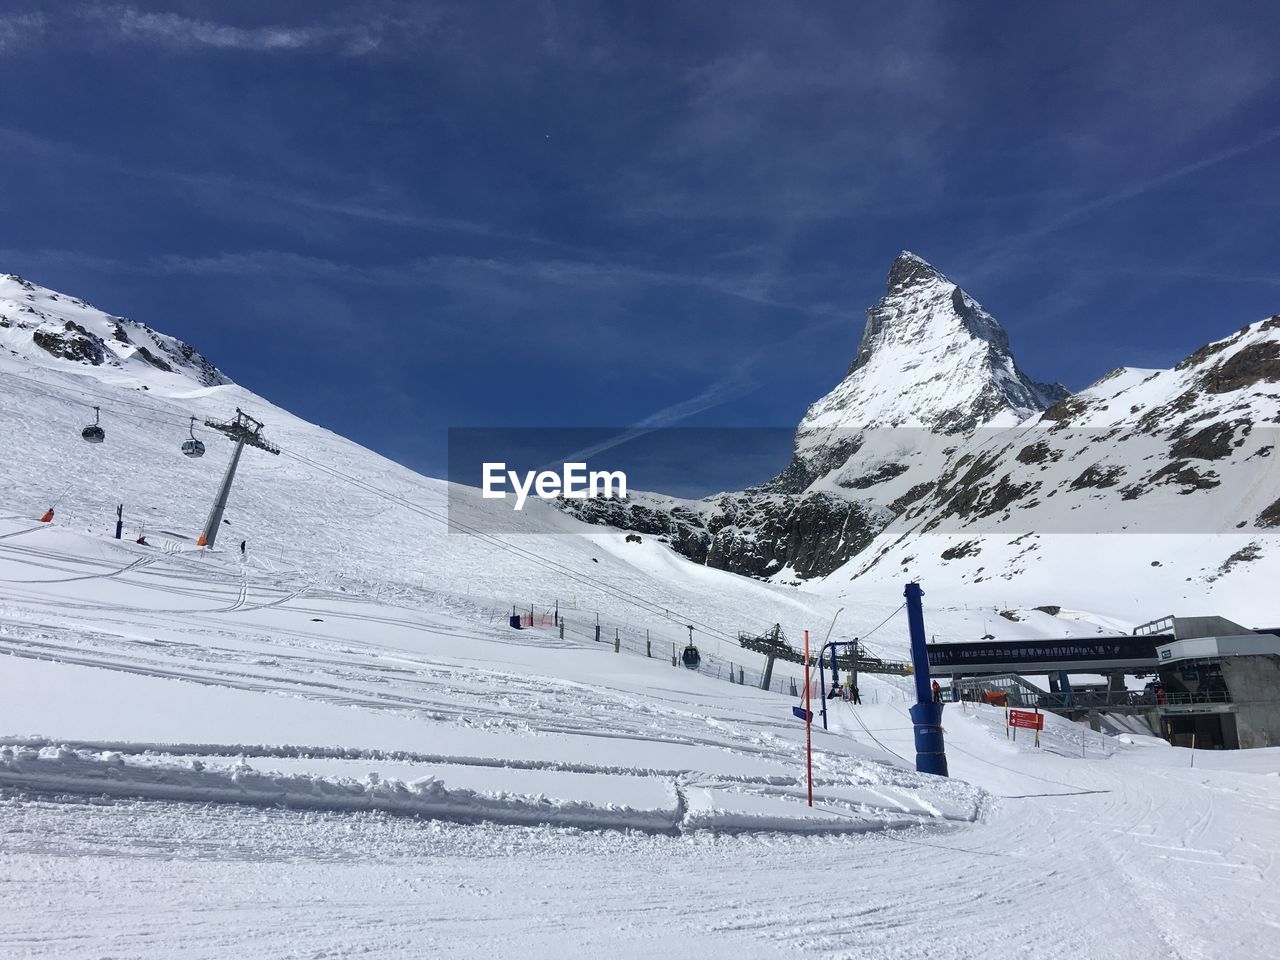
(373, 843)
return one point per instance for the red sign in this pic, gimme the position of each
(1026, 719)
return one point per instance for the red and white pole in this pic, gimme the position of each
(808, 720)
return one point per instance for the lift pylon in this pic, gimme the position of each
(244, 431)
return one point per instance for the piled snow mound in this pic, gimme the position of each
(642, 803)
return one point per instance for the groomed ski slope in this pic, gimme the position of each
(199, 758)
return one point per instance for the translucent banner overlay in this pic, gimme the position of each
(1203, 478)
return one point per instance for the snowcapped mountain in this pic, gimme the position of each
(1171, 472)
(988, 489)
(936, 436)
(931, 358)
(51, 329)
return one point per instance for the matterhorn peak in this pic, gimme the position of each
(910, 270)
(930, 358)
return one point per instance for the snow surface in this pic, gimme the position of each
(336, 745)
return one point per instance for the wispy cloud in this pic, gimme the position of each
(19, 28)
(174, 30)
(222, 189)
(441, 271)
(349, 36)
(989, 258)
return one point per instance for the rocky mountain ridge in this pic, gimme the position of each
(935, 429)
(47, 327)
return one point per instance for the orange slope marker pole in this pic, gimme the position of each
(808, 720)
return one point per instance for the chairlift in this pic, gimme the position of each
(193, 448)
(94, 433)
(691, 658)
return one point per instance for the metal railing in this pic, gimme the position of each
(1127, 699)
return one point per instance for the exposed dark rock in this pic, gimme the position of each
(970, 548)
(813, 534)
(1038, 452)
(916, 493)
(1258, 362)
(803, 470)
(1096, 476)
(1181, 472)
(1207, 351)
(1210, 443)
(1065, 409)
(1270, 517)
(1250, 551)
(870, 479)
(155, 361)
(753, 535)
(74, 343)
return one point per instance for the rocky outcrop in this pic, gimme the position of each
(754, 534)
(69, 330)
(73, 342)
(936, 429)
(930, 359)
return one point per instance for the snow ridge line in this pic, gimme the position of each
(135, 565)
(288, 752)
(61, 770)
(18, 533)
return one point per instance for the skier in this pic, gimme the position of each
(937, 692)
(142, 540)
(242, 543)
(854, 695)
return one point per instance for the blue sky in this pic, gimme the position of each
(394, 218)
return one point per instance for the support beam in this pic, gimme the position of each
(210, 535)
(931, 755)
(243, 430)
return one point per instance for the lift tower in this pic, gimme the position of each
(244, 430)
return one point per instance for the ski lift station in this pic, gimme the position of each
(1211, 683)
(1223, 689)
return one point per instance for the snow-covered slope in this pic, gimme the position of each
(1148, 484)
(48, 329)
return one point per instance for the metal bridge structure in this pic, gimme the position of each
(1132, 655)
(774, 646)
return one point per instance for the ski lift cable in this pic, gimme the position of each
(862, 640)
(649, 606)
(170, 419)
(56, 391)
(37, 386)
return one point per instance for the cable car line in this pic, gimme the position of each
(94, 433)
(650, 606)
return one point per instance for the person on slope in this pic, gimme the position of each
(242, 543)
(937, 692)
